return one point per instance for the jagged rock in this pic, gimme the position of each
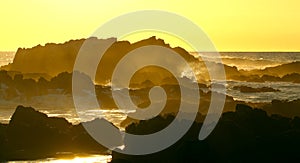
(284, 108)
(246, 135)
(246, 89)
(31, 135)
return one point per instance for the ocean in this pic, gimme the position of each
(254, 60)
(57, 105)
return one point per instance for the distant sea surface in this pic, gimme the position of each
(254, 60)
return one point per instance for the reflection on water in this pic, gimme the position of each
(115, 116)
(87, 159)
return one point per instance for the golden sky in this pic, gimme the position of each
(232, 25)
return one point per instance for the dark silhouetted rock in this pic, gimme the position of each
(294, 77)
(32, 135)
(246, 89)
(246, 135)
(284, 108)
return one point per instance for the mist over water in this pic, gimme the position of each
(6, 58)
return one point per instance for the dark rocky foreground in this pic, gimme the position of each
(32, 135)
(246, 135)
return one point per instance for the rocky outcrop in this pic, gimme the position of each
(284, 108)
(53, 59)
(246, 135)
(289, 77)
(31, 135)
(246, 89)
(280, 70)
(50, 59)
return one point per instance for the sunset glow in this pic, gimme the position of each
(232, 25)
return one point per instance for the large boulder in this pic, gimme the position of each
(31, 135)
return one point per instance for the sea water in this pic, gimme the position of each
(243, 61)
(57, 105)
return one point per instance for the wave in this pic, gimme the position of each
(271, 56)
(247, 64)
(250, 60)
